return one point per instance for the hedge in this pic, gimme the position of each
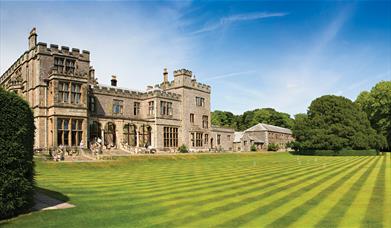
(16, 155)
(337, 152)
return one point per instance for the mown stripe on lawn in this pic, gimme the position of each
(387, 200)
(221, 210)
(189, 181)
(320, 193)
(338, 211)
(193, 187)
(374, 214)
(314, 215)
(219, 181)
(255, 210)
(159, 216)
(219, 195)
(214, 198)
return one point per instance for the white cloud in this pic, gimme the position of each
(225, 21)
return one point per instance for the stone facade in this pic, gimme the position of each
(72, 109)
(261, 135)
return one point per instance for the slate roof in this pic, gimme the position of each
(238, 136)
(268, 127)
(257, 139)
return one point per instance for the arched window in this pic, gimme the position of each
(145, 133)
(130, 135)
(110, 134)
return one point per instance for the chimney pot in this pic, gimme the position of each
(113, 80)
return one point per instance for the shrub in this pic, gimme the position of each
(253, 148)
(183, 149)
(16, 155)
(273, 147)
(337, 152)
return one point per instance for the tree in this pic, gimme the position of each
(16, 155)
(251, 118)
(334, 123)
(223, 119)
(377, 105)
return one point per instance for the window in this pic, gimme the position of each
(69, 66)
(92, 104)
(170, 136)
(191, 118)
(165, 108)
(136, 108)
(95, 131)
(206, 139)
(151, 108)
(144, 135)
(192, 139)
(200, 101)
(75, 93)
(117, 107)
(63, 92)
(199, 139)
(218, 139)
(59, 64)
(204, 121)
(130, 135)
(75, 131)
(229, 137)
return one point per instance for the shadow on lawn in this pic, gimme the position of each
(44, 199)
(52, 194)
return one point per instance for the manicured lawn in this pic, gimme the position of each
(225, 190)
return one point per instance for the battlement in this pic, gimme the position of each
(183, 72)
(110, 90)
(53, 49)
(24, 57)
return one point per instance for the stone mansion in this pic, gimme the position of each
(72, 109)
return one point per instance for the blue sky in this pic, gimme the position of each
(280, 54)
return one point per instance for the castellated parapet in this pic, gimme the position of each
(53, 49)
(184, 78)
(126, 93)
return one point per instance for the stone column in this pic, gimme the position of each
(103, 137)
(138, 138)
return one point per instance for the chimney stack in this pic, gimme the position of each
(114, 80)
(33, 38)
(165, 76)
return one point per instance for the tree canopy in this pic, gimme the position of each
(334, 123)
(377, 105)
(251, 118)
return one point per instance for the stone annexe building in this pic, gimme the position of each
(261, 135)
(72, 109)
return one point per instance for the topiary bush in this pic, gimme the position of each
(16, 155)
(273, 147)
(183, 149)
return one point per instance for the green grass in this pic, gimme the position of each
(222, 190)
